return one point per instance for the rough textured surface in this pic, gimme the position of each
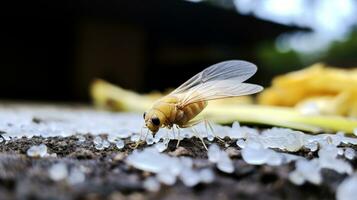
(107, 176)
(64, 165)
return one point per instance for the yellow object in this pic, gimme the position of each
(112, 97)
(331, 91)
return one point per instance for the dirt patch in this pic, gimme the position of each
(107, 176)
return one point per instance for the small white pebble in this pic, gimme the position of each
(81, 138)
(213, 153)
(97, 140)
(190, 177)
(160, 146)
(151, 184)
(58, 171)
(149, 139)
(340, 151)
(206, 175)
(166, 177)
(76, 176)
(296, 178)
(313, 146)
(119, 144)
(347, 189)
(210, 137)
(135, 138)
(225, 165)
(37, 151)
(240, 143)
(350, 153)
(99, 146)
(105, 144)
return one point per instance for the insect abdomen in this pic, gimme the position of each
(190, 111)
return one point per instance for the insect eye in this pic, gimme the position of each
(144, 115)
(155, 121)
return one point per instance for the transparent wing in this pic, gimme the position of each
(221, 80)
(218, 90)
(233, 69)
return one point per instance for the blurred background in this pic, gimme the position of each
(52, 50)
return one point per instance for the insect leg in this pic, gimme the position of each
(209, 126)
(137, 143)
(178, 136)
(199, 136)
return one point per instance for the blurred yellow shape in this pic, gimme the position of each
(331, 91)
(108, 96)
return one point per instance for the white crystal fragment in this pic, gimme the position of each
(206, 175)
(120, 144)
(81, 138)
(240, 143)
(282, 138)
(166, 177)
(97, 140)
(160, 146)
(37, 151)
(189, 177)
(350, 153)
(347, 189)
(151, 184)
(313, 146)
(105, 144)
(58, 172)
(213, 153)
(149, 139)
(76, 176)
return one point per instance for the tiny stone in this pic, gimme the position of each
(120, 144)
(313, 146)
(213, 153)
(206, 175)
(58, 171)
(76, 176)
(189, 177)
(97, 140)
(160, 146)
(347, 189)
(241, 143)
(149, 139)
(105, 144)
(225, 165)
(210, 137)
(135, 138)
(81, 138)
(99, 146)
(166, 177)
(37, 151)
(340, 151)
(350, 153)
(296, 178)
(151, 184)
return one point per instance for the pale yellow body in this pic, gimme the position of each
(169, 112)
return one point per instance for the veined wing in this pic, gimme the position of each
(233, 69)
(222, 80)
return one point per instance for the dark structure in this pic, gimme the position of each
(51, 50)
